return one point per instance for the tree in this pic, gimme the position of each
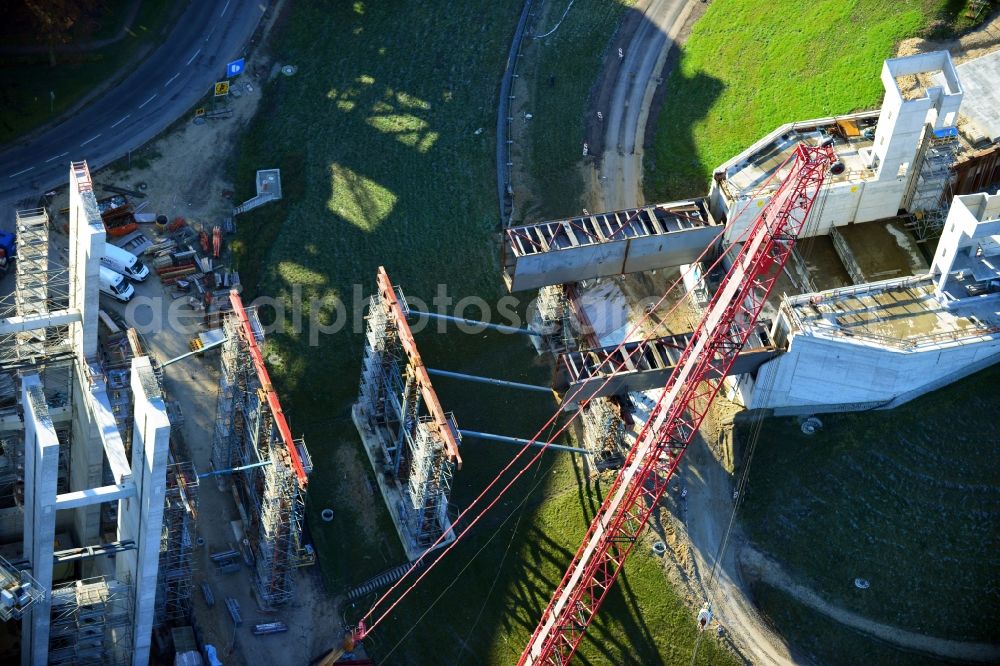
(54, 20)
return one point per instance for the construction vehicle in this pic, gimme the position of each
(124, 262)
(8, 250)
(115, 285)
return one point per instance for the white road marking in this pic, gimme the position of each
(56, 157)
(225, 8)
(89, 140)
(171, 79)
(129, 115)
(211, 32)
(191, 59)
(148, 100)
(20, 172)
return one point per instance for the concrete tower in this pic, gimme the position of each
(905, 114)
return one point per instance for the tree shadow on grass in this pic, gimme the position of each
(531, 591)
(381, 165)
(674, 156)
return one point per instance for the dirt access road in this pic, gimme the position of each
(630, 78)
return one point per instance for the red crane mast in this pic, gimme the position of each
(725, 327)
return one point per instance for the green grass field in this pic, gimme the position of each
(29, 80)
(908, 499)
(375, 136)
(750, 66)
(573, 53)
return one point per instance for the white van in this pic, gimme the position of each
(116, 286)
(124, 262)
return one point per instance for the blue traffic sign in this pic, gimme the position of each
(234, 68)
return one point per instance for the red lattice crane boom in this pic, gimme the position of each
(725, 327)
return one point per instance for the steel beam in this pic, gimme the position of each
(521, 442)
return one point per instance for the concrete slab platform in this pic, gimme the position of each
(981, 80)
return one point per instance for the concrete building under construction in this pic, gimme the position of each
(98, 495)
(866, 315)
(80, 470)
(859, 319)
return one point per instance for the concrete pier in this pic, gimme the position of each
(41, 471)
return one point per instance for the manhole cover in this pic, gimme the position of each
(811, 425)
(289, 70)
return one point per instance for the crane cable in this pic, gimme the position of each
(756, 427)
(568, 7)
(519, 508)
(541, 451)
(363, 630)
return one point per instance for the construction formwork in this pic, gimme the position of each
(410, 441)
(18, 591)
(174, 574)
(118, 348)
(269, 469)
(91, 623)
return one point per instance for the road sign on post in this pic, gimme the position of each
(234, 68)
(222, 88)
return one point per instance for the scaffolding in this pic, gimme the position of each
(926, 226)
(604, 432)
(118, 348)
(91, 623)
(251, 434)
(411, 442)
(554, 322)
(18, 591)
(935, 174)
(39, 289)
(174, 575)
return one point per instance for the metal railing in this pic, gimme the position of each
(505, 193)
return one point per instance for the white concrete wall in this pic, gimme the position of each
(839, 204)
(819, 374)
(141, 518)
(970, 218)
(86, 460)
(86, 247)
(41, 471)
(898, 136)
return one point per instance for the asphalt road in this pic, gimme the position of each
(179, 72)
